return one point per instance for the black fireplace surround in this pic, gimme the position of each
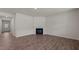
(39, 31)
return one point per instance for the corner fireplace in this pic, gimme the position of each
(39, 31)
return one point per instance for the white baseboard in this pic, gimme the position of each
(64, 36)
(20, 35)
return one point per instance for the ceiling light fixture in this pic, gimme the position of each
(35, 8)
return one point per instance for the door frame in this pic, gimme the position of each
(9, 25)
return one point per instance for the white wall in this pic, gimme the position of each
(23, 25)
(13, 26)
(0, 26)
(64, 24)
(40, 22)
(6, 14)
(26, 25)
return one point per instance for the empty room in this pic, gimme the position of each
(39, 28)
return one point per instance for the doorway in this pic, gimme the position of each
(5, 26)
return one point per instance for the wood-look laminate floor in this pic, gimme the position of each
(37, 42)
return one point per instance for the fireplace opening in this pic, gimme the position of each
(39, 31)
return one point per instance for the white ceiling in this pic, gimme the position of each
(37, 12)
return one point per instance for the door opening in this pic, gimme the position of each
(6, 26)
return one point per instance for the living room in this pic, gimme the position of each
(20, 25)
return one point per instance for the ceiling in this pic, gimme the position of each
(35, 12)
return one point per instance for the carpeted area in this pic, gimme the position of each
(37, 42)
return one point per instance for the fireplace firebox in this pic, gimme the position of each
(39, 31)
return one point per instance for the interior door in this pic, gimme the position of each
(5, 26)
